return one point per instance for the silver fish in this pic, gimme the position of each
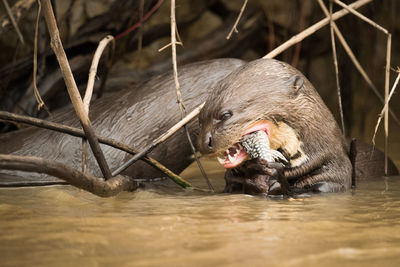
(257, 145)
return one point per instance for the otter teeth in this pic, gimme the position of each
(231, 154)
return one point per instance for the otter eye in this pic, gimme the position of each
(225, 115)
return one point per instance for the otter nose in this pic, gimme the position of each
(208, 141)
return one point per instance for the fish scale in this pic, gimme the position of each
(257, 145)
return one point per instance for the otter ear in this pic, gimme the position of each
(297, 82)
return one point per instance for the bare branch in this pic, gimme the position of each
(18, 10)
(79, 133)
(13, 21)
(385, 107)
(234, 28)
(93, 69)
(178, 92)
(95, 185)
(310, 30)
(356, 62)
(387, 81)
(335, 63)
(73, 92)
(361, 16)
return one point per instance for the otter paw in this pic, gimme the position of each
(257, 185)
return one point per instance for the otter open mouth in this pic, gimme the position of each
(237, 153)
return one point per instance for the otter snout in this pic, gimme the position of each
(208, 142)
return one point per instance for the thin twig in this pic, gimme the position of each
(335, 63)
(387, 80)
(312, 29)
(35, 52)
(107, 141)
(109, 63)
(90, 84)
(73, 92)
(356, 62)
(95, 185)
(19, 9)
(385, 107)
(178, 92)
(234, 28)
(93, 69)
(14, 23)
(160, 139)
(174, 64)
(361, 16)
(168, 45)
(145, 17)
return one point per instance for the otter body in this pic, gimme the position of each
(134, 116)
(274, 97)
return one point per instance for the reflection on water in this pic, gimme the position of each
(64, 226)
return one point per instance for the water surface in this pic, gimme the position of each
(65, 226)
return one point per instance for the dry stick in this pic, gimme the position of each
(14, 23)
(35, 89)
(387, 72)
(361, 16)
(385, 107)
(174, 64)
(310, 30)
(335, 63)
(93, 69)
(179, 95)
(19, 9)
(168, 45)
(89, 88)
(109, 63)
(160, 139)
(234, 28)
(95, 185)
(7, 116)
(386, 122)
(356, 62)
(73, 92)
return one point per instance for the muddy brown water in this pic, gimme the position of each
(65, 226)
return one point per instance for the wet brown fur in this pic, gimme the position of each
(134, 116)
(266, 89)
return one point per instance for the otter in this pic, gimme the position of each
(273, 97)
(134, 116)
(138, 115)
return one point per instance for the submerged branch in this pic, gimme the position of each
(92, 184)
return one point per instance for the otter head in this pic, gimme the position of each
(263, 95)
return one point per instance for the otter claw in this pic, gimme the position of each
(257, 145)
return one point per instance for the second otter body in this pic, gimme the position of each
(274, 97)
